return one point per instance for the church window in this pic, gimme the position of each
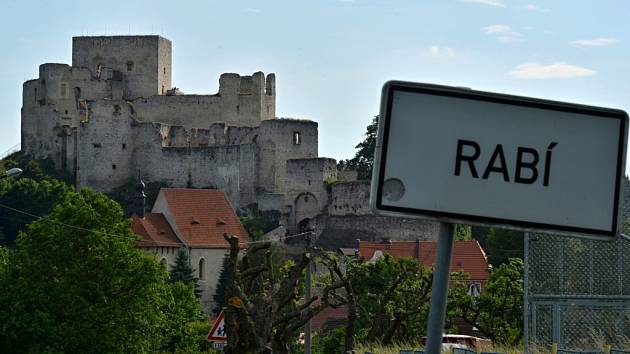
(297, 138)
(201, 264)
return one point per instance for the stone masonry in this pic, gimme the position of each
(114, 115)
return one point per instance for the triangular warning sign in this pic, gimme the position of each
(217, 333)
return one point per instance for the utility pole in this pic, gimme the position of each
(307, 296)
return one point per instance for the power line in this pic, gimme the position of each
(38, 217)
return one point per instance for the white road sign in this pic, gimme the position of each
(459, 155)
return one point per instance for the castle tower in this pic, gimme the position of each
(143, 63)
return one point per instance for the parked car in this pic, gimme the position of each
(451, 341)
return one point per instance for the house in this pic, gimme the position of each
(196, 220)
(468, 257)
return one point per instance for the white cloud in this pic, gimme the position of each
(503, 33)
(532, 7)
(497, 3)
(596, 42)
(557, 70)
(442, 52)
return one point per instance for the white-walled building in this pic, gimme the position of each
(196, 220)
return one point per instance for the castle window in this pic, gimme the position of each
(99, 68)
(162, 89)
(238, 108)
(129, 66)
(124, 146)
(66, 111)
(96, 145)
(64, 90)
(201, 264)
(164, 71)
(113, 166)
(296, 138)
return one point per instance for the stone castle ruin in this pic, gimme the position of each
(114, 115)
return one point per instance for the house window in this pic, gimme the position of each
(64, 90)
(129, 66)
(297, 138)
(201, 264)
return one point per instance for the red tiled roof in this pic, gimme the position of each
(203, 216)
(468, 256)
(155, 231)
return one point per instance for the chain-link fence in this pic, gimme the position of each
(577, 292)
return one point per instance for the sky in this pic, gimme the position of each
(332, 57)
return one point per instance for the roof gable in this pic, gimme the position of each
(201, 216)
(155, 231)
(468, 256)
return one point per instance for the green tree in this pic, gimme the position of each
(220, 296)
(393, 297)
(77, 283)
(182, 272)
(26, 195)
(257, 226)
(463, 232)
(498, 312)
(363, 160)
(500, 244)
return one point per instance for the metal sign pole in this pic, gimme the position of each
(439, 291)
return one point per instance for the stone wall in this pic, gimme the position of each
(350, 198)
(277, 142)
(241, 101)
(343, 231)
(144, 62)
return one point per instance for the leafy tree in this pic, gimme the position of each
(27, 195)
(463, 232)
(500, 244)
(182, 272)
(36, 169)
(77, 283)
(220, 296)
(393, 298)
(257, 226)
(498, 312)
(363, 160)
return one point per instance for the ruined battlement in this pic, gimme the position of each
(144, 62)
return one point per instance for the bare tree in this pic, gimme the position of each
(266, 310)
